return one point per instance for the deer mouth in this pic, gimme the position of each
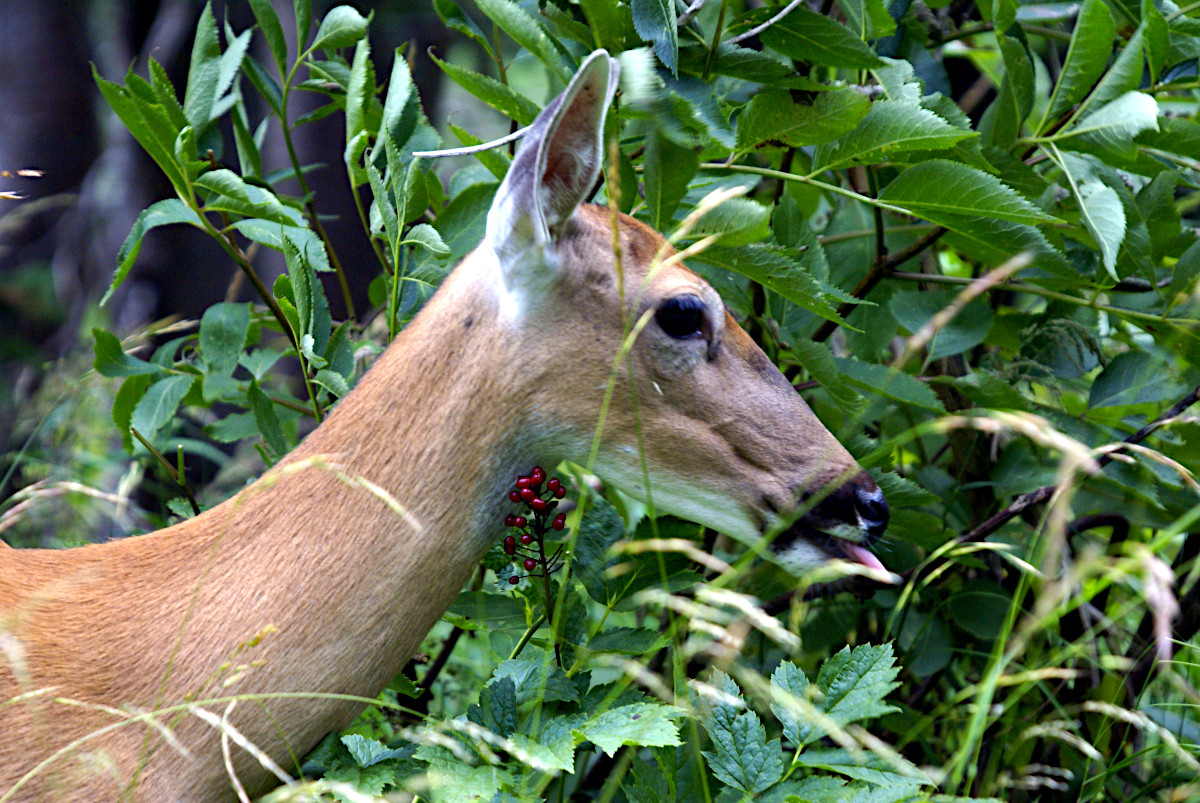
(831, 545)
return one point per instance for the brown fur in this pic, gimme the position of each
(456, 406)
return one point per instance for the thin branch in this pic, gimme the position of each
(691, 11)
(880, 269)
(467, 150)
(757, 29)
(179, 480)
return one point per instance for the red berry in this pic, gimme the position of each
(514, 496)
(519, 521)
(530, 564)
(510, 545)
(514, 580)
(560, 492)
(554, 484)
(527, 494)
(523, 482)
(537, 476)
(508, 520)
(526, 539)
(538, 505)
(559, 522)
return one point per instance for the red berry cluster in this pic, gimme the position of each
(529, 546)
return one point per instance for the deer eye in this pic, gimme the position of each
(681, 316)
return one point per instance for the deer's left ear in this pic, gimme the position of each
(554, 170)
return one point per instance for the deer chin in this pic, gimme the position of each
(803, 547)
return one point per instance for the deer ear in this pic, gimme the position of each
(555, 168)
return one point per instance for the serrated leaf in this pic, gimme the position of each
(994, 241)
(272, 30)
(1114, 125)
(889, 383)
(343, 26)
(149, 123)
(223, 329)
(787, 684)
(159, 404)
(773, 119)
(162, 213)
(897, 776)
(639, 724)
(626, 640)
(498, 704)
(1100, 208)
(939, 186)
(495, 94)
(817, 360)
(743, 758)
(130, 393)
(233, 194)
(655, 22)
(370, 751)
(600, 529)
(890, 130)
(869, 19)
(111, 360)
(856, 682)
(312, 308)
(266, 419)
(737, 221)
(816, 39)
(401, 110)
(332, 381)
(777, 272)
(1001, 123)
(360, 93)
(426, 237)
(527, 32)
(1087, 56)
(203, 72)
(535, 677)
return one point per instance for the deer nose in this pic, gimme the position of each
(872, 509)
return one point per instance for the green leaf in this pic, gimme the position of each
(268, 23)
(889, 383)
(994, 241)
(980, 609)
(158, 405)
(495, 160)
(638, 724)
(1113, 126)
(626, 640)
(223, 330)
(233, 194)
(360, 93)
(312, 308)
(266, 419)
(869, 19)
(303, 11)
(937, 186)
(111, 360)
(743, 757)
(130, 393)
(1091, 47)
(463, 220)
(1125, 74)
(788, 684)
(669, 169)
(163, 213)
(452, 14)
(1002, 122)
(370, 751)
(536, 678)
(426, 237)
(773, 119)
(204, 71)
(490, 91)
(737, 221)
(890, 130)
(896, 777)
(528, 33)
(1132, 377)
(1100, 208)
(771, 267)
(600, 529)
(401, 108)
(656, 22)
(817, 360)
(816, 39)
(343, 26)
(332, 381)
(855, 682)
(966, 330)
(149, 123)
(498, 704)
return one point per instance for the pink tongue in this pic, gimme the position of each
(862, 555)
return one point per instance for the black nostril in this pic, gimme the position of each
(872, 509)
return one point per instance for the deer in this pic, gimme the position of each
(309, 590)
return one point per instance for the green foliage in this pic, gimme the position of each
(877, 196)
